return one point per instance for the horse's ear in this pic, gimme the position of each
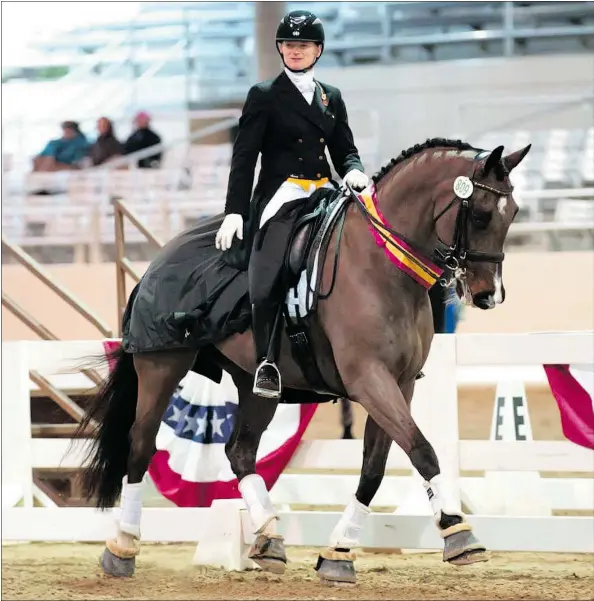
(511, 161)
(493, 159)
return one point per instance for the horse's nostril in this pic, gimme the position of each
(484, 299)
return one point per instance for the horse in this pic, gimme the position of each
(444, 199)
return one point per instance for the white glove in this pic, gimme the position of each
(357, 179)
(232, 225)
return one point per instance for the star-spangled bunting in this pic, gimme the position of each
(190, 466)
(193, 475)
(200, 423)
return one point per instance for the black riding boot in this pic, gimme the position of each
(267, 380)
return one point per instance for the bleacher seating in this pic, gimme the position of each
(586, 160)
(76, 208)
(356, 32)
(558, 160)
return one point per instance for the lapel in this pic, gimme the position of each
(293, 98)
(323, 108)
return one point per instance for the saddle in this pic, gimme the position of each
(304, 260)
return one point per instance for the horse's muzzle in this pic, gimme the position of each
(484, 300)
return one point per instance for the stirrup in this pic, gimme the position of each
(265, 392)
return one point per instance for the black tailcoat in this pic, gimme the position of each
(292, 136)
(193, 288)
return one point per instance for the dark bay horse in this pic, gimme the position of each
(442, 198)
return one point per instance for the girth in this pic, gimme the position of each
(313, 231)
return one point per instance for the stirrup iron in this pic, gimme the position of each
(264, 392)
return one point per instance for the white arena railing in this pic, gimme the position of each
(511, 505)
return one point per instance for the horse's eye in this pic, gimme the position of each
(481, 219)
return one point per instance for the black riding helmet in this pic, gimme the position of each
(300, 26)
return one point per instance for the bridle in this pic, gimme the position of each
(454, 256)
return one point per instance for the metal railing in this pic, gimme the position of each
(123, 264)
(45, 386)
(33, 323)
(43, 276)
(129, 90)
(130, 159)
(372, 25)
(74, 96)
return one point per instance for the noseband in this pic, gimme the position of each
(455, 256)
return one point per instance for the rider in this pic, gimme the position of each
(290, 120)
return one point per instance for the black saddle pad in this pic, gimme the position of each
(189, 296)
(192, 294)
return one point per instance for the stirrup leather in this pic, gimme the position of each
(264, 392)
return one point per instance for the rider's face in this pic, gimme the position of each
(299, 55)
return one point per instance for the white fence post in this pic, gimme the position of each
(17, 473)
(512, 492)
(223, 544)
(435, 407)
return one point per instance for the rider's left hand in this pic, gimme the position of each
(356, 179)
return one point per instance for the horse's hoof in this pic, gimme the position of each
(462, 547)
(116, 566)
(268, 551)
(336, 568)
(469, 557)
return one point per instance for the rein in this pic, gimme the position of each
(453, 256)
(399, 250)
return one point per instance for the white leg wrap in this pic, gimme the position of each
(131, 508)
(259, 504)
(347, 532)
(442, 497)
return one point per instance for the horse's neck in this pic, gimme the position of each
(406, 202)
(375, 270)
(405, 199)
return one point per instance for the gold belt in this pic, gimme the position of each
(306, 183)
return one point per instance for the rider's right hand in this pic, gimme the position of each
(232, 225)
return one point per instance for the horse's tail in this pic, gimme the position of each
(114, 409)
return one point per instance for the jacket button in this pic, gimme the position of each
(301, 158)
(322, 140)
(300, 140)
(318, 175)
(301, 175)
(321, 158)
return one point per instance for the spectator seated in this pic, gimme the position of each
(65, 153)
(140, 139)
(107, 146)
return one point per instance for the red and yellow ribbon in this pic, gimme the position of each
(399, 252)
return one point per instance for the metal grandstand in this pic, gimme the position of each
(180, 56)
(211, 44)
(189, 55)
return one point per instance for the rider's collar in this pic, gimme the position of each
(303, 80)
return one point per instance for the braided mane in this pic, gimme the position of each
(429, 143)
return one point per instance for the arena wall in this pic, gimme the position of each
(545, 291)
(465, 98)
